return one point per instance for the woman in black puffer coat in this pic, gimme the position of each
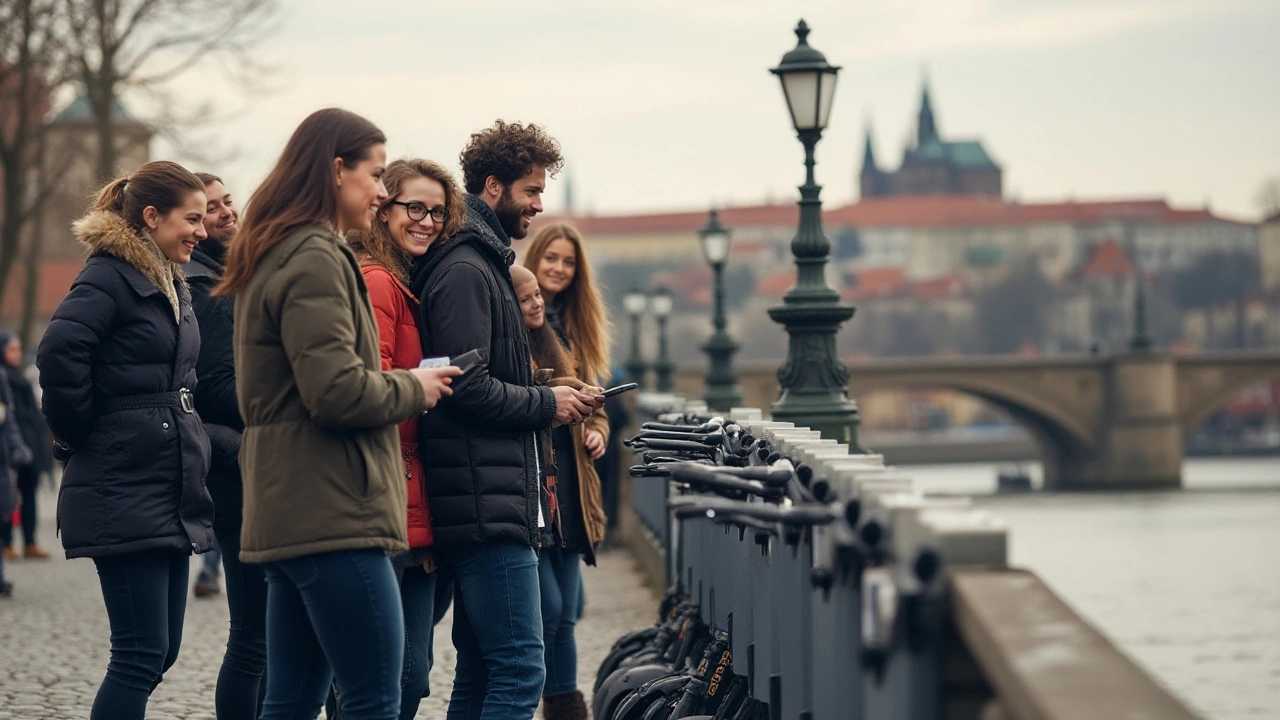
(117, 365)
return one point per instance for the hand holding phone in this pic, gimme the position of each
(435, 383)
(464, 362)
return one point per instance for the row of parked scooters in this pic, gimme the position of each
(792, 588)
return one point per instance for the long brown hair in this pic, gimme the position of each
(377, 247)
(160, 184)
(585, 320)
(300, 190)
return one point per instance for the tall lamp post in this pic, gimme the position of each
(635, 302)
(721, 382)
(1140, 341)
(661, 302)
(813, 379)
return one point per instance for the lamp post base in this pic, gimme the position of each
(721, 383)
(814, 381)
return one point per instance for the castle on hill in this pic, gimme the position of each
(932, 166)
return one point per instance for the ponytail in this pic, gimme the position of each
(160, 184)
(111, 197)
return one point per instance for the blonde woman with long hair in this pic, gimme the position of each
(575, 311)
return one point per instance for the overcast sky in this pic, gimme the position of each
(668, 104)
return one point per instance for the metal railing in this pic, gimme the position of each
(834, 589)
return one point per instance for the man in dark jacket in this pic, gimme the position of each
(217, 379)
(215, 398)
(478, 445)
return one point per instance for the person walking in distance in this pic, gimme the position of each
(117, 365)
(238, 688)
(424, 206)
(35, 436)
(479, 447)
(575, 316)
(324, 490)
(11, 450)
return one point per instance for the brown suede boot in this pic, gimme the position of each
(35, 552)
(565, 706)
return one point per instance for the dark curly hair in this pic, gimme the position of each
(507, 151)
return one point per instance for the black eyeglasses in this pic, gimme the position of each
(417, 211)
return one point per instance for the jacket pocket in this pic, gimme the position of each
(375, 463)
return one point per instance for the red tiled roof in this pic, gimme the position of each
(1107, 260)
(950, 285)
(873, 283)
(914, 211)
(776, 284)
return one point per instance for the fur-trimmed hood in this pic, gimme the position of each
(106, 232)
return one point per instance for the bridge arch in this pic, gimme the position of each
(1061, 431)
(1206, 384)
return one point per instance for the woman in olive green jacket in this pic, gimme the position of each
(324, 491)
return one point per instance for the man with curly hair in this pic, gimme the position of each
(479, 450)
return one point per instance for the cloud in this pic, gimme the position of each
(922, 29)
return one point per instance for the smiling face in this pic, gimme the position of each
(360, 189)
(221, 218)
(531, 304)
(178, 231)
(520, 201)
(557, 267)
(415, 236)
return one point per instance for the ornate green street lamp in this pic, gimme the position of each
(635, 303)
(721, 382)
(661, 303)
(813, 379)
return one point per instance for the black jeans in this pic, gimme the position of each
(146, 597)
(28, 481)
(240, 688)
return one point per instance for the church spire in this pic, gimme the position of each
(927, 128)
(868, 154)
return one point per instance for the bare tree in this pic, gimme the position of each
(32, 64)
(142, 45)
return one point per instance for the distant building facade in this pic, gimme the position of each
(73, 155)
(933, 166)
(70, 160)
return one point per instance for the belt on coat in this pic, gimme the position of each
(180, 399)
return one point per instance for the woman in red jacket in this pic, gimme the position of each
(419, 210)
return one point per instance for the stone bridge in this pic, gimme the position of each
(1100, 422)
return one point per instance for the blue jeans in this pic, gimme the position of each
(560, 580)
(334, 614)
(209, 570)
(239, 688)
(146, 597)
(418, 595)
(497, 631)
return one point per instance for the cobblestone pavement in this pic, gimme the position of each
(54, 638)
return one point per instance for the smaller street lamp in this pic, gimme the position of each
(635, 303)
(721, 383)
(662, 302)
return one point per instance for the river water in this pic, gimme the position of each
(1185, 582)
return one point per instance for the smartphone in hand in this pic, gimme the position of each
(619, 389)
(464, 362)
